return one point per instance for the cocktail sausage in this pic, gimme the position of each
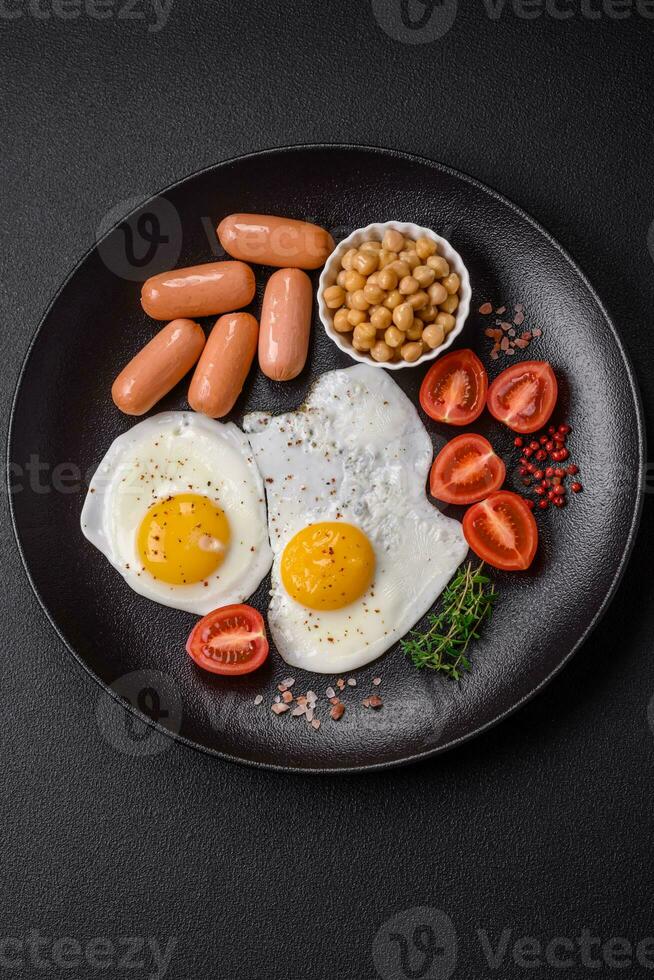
(199, 290)
(224, 365)
(158, 367)
(285, 324)
(269, 240)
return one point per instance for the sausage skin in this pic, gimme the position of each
(158, 367)
(224, 365)
(269, 240)
(199, 290)
(285, 324)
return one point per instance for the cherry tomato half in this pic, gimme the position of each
(524, 396)
(502, 531)
(454, 389)
(466, 470)
(231, 640)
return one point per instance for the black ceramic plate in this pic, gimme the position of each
(63, 414)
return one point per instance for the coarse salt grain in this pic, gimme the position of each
(337, 711)
(259, 699)
(279, 709)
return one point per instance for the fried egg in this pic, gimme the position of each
(360, 553)
(178, 508)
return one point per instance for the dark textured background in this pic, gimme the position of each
(543, 826)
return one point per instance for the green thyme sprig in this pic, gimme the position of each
(467, 602)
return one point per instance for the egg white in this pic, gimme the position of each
(356, 452)
(174, 453)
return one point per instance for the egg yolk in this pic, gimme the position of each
(183, 539)
(328, 565)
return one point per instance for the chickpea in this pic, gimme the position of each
(411, 352)
(409, 245)
(401, 268)
(426, 247)
(353, 281)
(381, 318)
(415, 330)
(334, 297)
(361, 345)
(393, 240)
(394, 337)
(450, 305)
(452, 283)
(373, 280)
(387, 279)
(424, 275)
(365, 262)
(411, 259)
(427, 314)
(440, 266)
(370, 247)
(386, 257)
(433, 336)
(340, 279)
(419, 300)
(359, 301)
(408, 285)
(364, 334)
(341, 322)
(437, 294)
(381, 352)
(403, 316)
(446, 321)
(355, 317)
(374, 294)
(347, 259)
(394, 299)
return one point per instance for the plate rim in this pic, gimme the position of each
(624, 559)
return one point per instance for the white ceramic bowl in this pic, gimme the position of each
(376, 233)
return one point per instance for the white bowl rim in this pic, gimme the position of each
(375, 232)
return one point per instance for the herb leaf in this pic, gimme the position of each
(467, 602)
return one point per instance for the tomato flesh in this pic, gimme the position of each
(466, 470)
(501, 529)
(454, 389)
(231, 640)
(524, 396)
